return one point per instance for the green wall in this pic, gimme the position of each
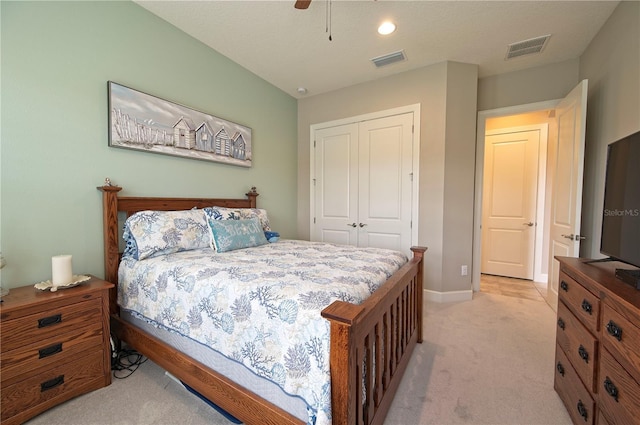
(56, 60)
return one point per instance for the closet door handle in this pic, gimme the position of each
(352, 224)
(362, 225)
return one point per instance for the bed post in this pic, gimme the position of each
(418, 254)
(252, 195)
(110, 228)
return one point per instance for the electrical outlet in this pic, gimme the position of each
(464, 270)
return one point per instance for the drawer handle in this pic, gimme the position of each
(48, 321)
(583, 353)
(614, 330)
(51, 383)
(586, 306)
(561, 323)
(50, 351)
(560, 368)
(564, 286)
(582, 410)
(611, 389)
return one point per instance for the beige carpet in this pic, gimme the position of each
(486, 361)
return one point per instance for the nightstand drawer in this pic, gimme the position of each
(27, 361)
(56, 385)
(619, 392)
(578, 344)
(576, 398)
(583, 303)
(24, 330)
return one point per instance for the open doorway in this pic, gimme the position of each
(540, 117)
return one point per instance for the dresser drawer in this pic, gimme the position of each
(35, 327)
(619, 393)
(27, 361)
(583, 303)
(57, 384)
(622, 338)
(578, 344)
(574, 395)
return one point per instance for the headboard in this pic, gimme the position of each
(112, 205)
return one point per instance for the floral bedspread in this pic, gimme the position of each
(260, 306)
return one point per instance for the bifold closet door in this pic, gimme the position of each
(363, 183)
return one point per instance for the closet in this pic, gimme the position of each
(364, 181)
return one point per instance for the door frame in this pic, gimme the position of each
(477, 210)
(415, 109)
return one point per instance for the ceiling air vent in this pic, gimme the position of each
(527, 47)
(389, 59)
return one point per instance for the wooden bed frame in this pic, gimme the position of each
(370, 346)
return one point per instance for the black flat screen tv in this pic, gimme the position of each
(621, 213)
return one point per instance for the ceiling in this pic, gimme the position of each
(290, 48)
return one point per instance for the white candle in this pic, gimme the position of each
(61, 270)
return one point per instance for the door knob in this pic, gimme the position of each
(528, 224)
(568, 236)
(362, 224)
(352, 224)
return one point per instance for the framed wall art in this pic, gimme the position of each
(147, 123)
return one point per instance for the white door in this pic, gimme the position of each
(384, 190)
(336, 185)
(568, 166)
(363, 177)
(509, 203)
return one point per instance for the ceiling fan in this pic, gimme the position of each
(302, 4)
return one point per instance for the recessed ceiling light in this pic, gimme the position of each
(386, 28)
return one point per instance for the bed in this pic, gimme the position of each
(370, 342)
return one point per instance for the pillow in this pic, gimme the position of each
(153, 233)
(223, 213)
(228, 235)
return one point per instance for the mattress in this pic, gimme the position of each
(257, 311)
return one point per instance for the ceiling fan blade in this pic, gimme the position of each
(302, 4)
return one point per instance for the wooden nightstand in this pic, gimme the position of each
(53, 346)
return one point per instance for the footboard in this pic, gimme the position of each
(371, 345)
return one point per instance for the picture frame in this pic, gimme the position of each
(147, 123)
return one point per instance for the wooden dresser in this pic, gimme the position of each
(597, 370)
(53, 346)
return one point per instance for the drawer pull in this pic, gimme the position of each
(560, 368)
(51, 383)
(564, 286)
(614, 330)
(50, 351)
(48, 321)
(582, 410)
(561, 323)
(586, 306)
(611, 389)
(583, 353)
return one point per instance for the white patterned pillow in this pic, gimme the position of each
(223, 213)
(229, 235)
(164, 232)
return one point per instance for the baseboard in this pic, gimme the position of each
(448, 297)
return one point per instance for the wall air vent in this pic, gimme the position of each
(389, 59)
(527, 47)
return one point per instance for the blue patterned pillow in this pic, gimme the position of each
(153, 233)
(228, 235)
